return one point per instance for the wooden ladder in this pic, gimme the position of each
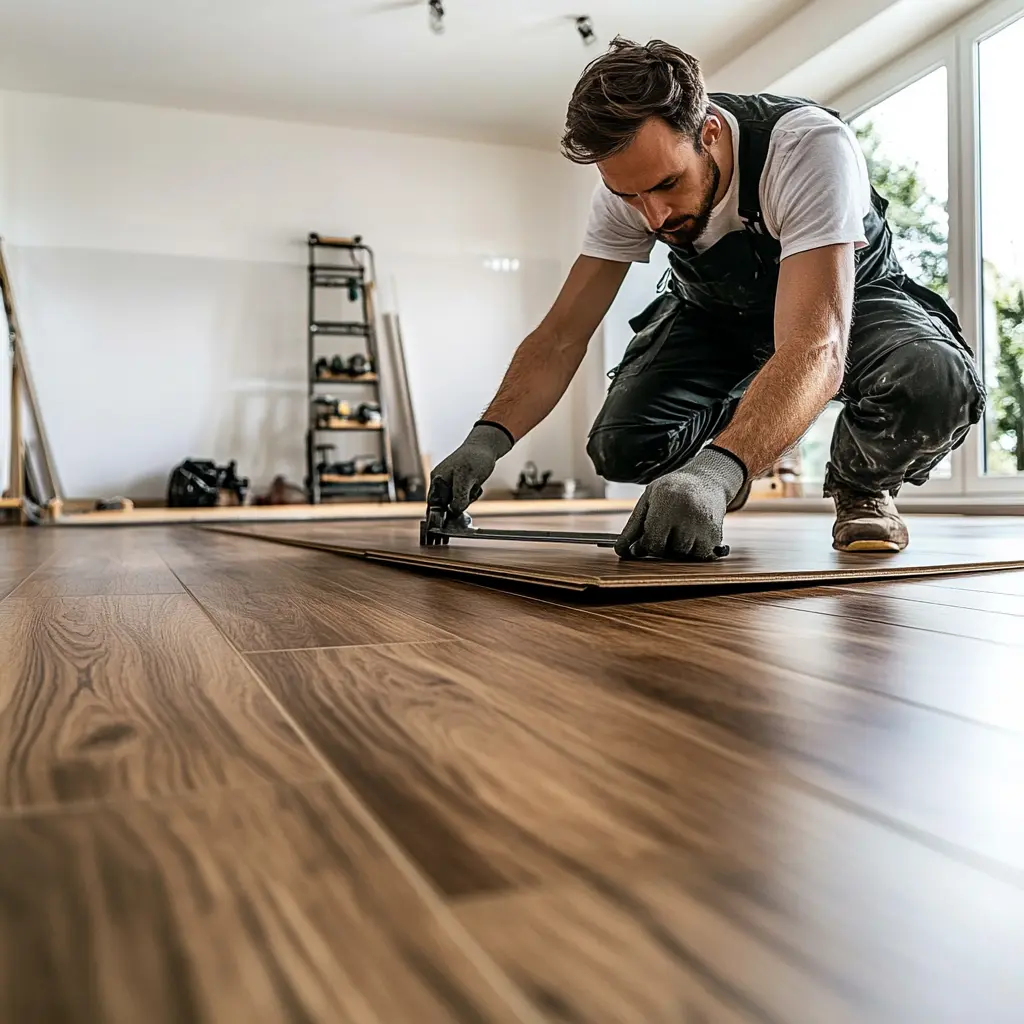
(23, 393)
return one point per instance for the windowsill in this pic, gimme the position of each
(982, 505)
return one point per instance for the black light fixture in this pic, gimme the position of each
(586, 30)
(436, 15)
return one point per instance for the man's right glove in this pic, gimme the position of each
(679, 516)
(466, 470)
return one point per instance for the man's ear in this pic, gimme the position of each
(711, 131)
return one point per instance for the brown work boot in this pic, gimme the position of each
(867, 522)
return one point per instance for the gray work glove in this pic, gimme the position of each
(680, 515)
(458, 480)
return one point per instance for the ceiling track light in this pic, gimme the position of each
(585, 27)
(436, 16)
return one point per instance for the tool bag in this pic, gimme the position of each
(199, 483)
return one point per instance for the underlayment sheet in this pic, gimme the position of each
(766, 549)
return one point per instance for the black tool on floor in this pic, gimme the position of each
(440, 526)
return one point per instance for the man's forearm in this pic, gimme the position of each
(535, 380)
(813, 312)
(782, 402)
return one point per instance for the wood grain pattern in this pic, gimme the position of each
(882, 608)
(906, 735)
(954, 674)
(789, 807)
(107, 697)
(831, 921)
(903, 664)
(481, 798)
(943, 775)
(765, 549)
(270, 905)
(281, 601)
(102, 563)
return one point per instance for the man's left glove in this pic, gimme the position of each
(680, 515)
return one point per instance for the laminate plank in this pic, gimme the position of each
(967, 678)
(827, 920)
(1010, 583)
(270, 905)
(989, 601)
(10, 581)
(903, 664)
(480, 799)
(284, 601)
(881, 608)
(105, 563)
(106, 697)
(765, 549)
(927, 770)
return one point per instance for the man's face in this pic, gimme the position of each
(667, 179)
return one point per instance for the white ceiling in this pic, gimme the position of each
(502, 71)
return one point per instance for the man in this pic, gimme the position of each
(784, 294)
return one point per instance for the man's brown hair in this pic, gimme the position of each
(627, 86)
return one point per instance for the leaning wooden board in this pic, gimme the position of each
(766, 550)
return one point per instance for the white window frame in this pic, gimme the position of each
(957, 50)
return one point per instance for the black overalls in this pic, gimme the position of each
(910, 392)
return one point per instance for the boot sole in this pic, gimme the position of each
(869, 545)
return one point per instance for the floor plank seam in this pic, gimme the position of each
(504, 987)
(901, 625)
(39, 567)
(927, 604)
(748, 752)
(881, 694)
(951, 590)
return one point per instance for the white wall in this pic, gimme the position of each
(159, 257)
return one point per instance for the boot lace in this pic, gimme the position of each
(853, 505)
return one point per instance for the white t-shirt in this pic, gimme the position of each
(814, 191)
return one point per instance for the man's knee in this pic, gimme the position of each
(639, 454)
(615, 454)
(931, 387)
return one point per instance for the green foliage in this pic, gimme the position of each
(918, 220)
(919, 226)
(1007, 398)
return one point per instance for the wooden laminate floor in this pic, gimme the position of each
(250, 782)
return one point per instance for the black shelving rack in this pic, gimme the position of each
(345, 263)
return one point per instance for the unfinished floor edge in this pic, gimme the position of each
(585, 583)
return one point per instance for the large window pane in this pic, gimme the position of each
(1002, 233)
(905, 139)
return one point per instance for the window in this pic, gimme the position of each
(1001, 81)
(905, 142)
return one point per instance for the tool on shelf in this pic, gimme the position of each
(346, 264)
(440, 526)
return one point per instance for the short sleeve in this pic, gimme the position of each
(815, 189)
(615, 231)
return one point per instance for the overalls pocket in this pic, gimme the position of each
(651, 327)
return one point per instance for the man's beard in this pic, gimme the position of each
(687, 229)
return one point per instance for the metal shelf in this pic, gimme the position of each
(366, 378)
(341, 424)
(351, 267)
(340, 328)
(336, 479)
